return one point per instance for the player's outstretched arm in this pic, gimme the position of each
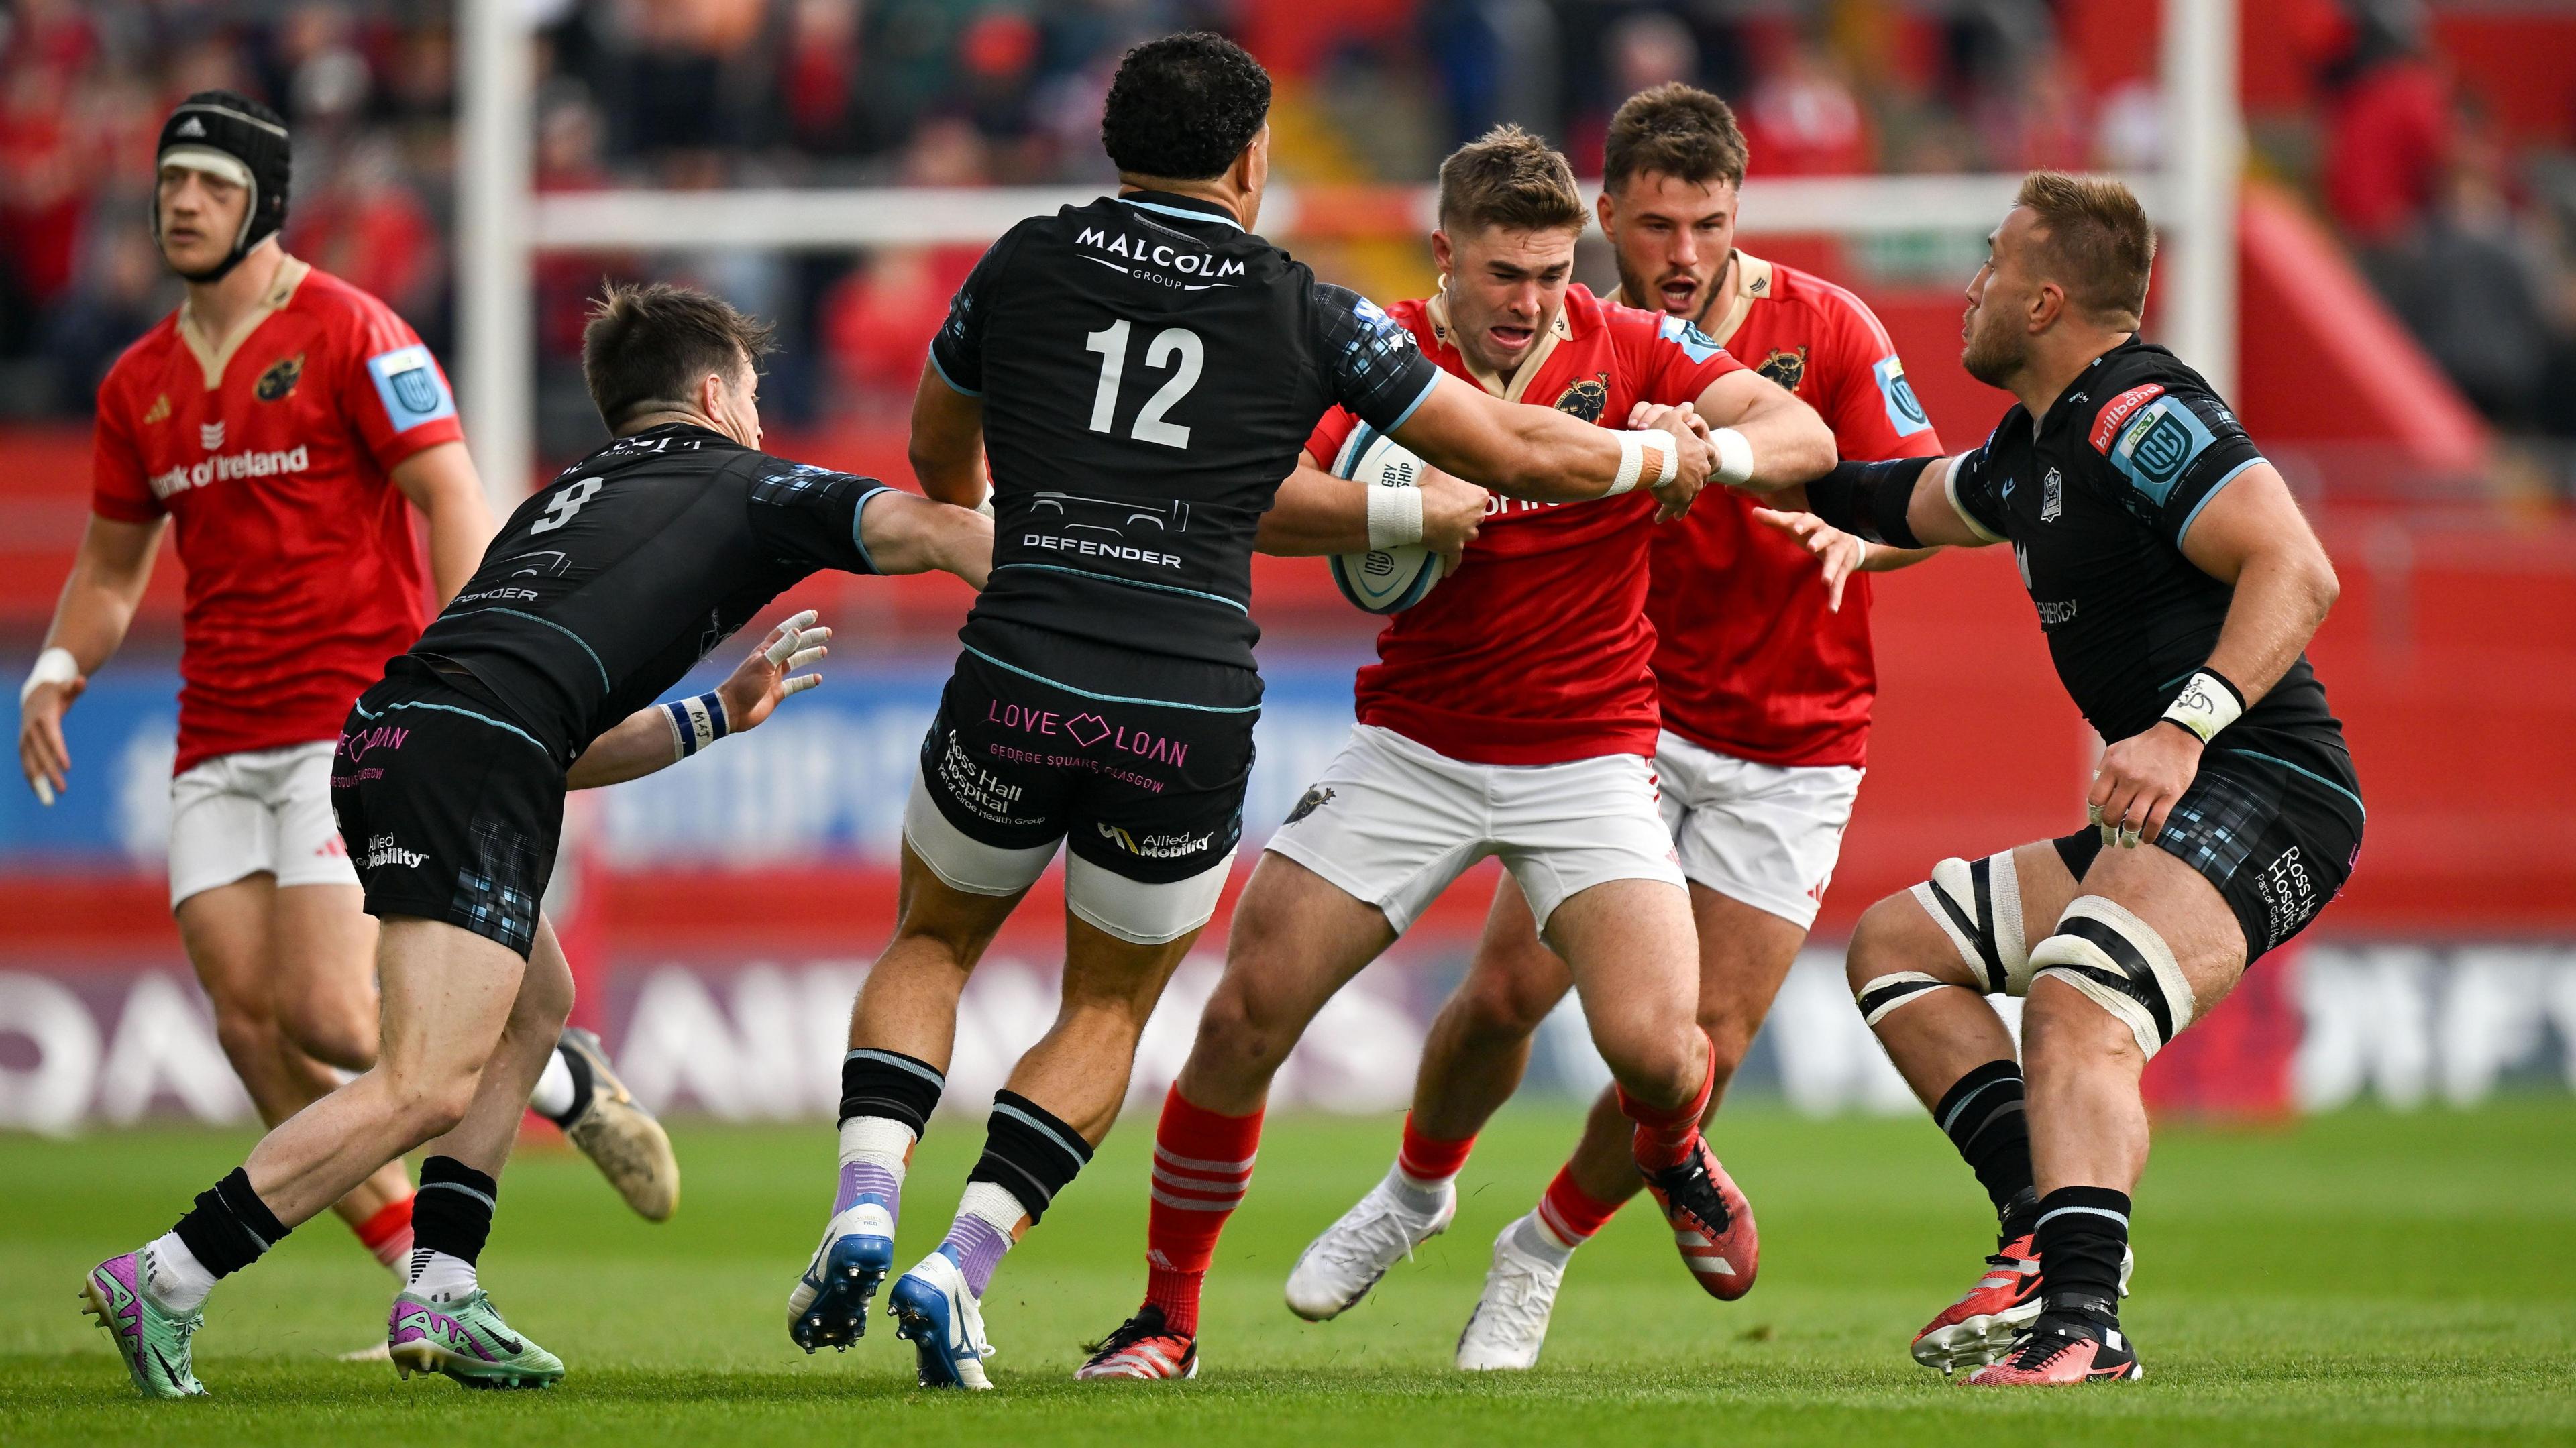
(1551, 456)
(947, 441)
(108, 577)
(1316, 513)
(660, 735)
(1901, 503)
(905, 534)
(1788, 442)
(441, 482)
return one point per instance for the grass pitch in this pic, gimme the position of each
(2357, 1278)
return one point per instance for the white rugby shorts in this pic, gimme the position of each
(264, 809)
(1765, 834)
(1393, 823)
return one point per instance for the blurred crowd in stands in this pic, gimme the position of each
(2468, 237)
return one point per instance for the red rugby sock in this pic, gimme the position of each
(387, 1233)
(1665, 1135)
(1202, 1167)
(1569, 1213)
(1427, 1160)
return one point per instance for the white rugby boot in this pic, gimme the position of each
(1509, 1324)
(1338, 1268)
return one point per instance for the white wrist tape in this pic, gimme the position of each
(695, 723)
(1394, 516)
(1633, 447)
(1734, 457)
(54, 666)
(2206, 705)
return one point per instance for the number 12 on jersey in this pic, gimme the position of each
(1175, 347)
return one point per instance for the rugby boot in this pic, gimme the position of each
(1338, 1268)
(828, 1307)
(1509, 1324)
(153, 1343)
(619, 1136)
(1712, 1223)
(1144, 1347)
(936, 1314)
(2070, 1343)
(1980, 1327)
(466, 1340)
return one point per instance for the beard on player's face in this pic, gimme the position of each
(1671, 241)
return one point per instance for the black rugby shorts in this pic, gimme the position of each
(2277, 839)
(451, 812)
(1152, 792)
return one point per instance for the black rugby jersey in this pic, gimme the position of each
(1149, 372)
(2096, 504)
(606, 585)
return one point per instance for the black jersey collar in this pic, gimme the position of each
(683, 429)
(2082, 386)
(1184, 208)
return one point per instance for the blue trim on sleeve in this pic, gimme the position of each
(858, 526)
(943, 374)
(1414, 406)
(2187, 518)
(1107, 698)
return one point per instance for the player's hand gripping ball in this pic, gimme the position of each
(769, 676)
(2139, 781)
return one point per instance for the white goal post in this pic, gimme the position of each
(502, 223)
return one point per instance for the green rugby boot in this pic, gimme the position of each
(467, 1340)
(153, 1343)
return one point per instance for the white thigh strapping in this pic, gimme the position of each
(963, 863)
(1141, 913)
(1767, 835)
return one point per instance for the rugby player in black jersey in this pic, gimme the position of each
(2178, 585)
(601, 591)
(1142, 372)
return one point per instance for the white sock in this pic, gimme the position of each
(173, 1277)
(1421, 1198)
(553, 1096)
(1532, 1237)
(878, 1141)
(438, 1277)
(994, 1203)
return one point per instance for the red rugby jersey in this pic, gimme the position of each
(1537, 650)
(271, 452)
(1749, 658)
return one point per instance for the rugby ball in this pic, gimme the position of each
(1383, 580)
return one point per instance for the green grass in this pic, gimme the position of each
(2356, 1278)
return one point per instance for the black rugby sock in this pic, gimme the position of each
(2082, 1234)
(1029, 1153)
(230, 1227)
(453, 1211)
(1982, 1115)
(892, 1085)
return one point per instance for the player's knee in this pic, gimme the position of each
(246, 1033)
(2123, 987)
(1884, 940)
(1238, 1030)
(430, 1103)
(1498, 1008)
(338, 1028)
(1664, 1064)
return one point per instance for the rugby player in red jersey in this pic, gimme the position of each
(1766, 680)
(1512, 712)
(288, 424)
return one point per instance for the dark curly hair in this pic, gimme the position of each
(1183, 107)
